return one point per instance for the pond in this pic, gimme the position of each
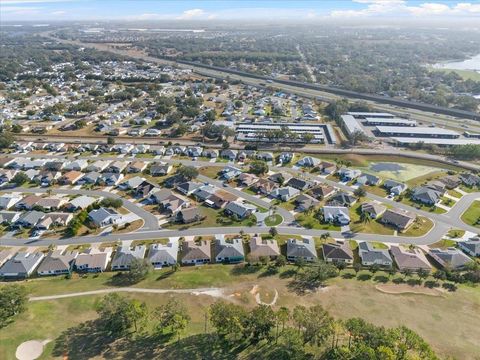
(468, 64)
(398, 171)
(393, 167)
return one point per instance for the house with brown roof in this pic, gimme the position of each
(263, 248)
(51, 203)
(247, 179)
(189, 215)
(373, 209)
(339, 252)
(70, 178)
(399, 219)
(409, 259)
(28, 202)
(57, 262)
(136, 167)
(264, 186)
(220, 199)
(322, 192)
(196, 252)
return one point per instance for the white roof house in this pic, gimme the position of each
(161, 255)
(8, 200)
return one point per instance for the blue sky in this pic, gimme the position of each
(16, 10)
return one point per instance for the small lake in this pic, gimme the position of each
(393, 167)
(469, 64)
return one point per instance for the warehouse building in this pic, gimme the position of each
(259, 131)
(417, 132)
(365, 115)
(434, 141)
(351, 125)
(389, 122)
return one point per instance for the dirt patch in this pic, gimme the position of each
(256, 293)
(407, 289)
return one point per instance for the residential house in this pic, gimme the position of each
(342, 199)
(51, 203)
(471, 246)
(5, 255)
(451, 181)
(124, 255)
(470, 180)
(394, 187)
(285, 157)
(55, 165)
(372, 256)
(70, 178)
(110, 179)
(247, 179)
(284, 193)
(220, 199)
(399, 219)
(322, 191)
(280, 178)
(189, 215)
(131, 183)
(105, 217)
(116, 167)
(89, 178)
(299, 184)
(187, 188)
(426, 195)
(196, 252)
(136, 167)
(98, 166)
(145, 189)
(347, 174)
(327, 168)
(336, 215)
(240, 210)
(373, 209)
(211, 154)
(93, 260)
(308, 161)
(47, 178)
(29, 219)
(28, 202)
(229, 251)
(160, 169)
(161, 255)
(9, 217)
(58, 262)
(263, 248)
(22, 265)
(451, 258)
(229, 154)
(76, 165)
(194, 151)
(301, 249)
(304, 202)
(80, 202)
(264, 186)
(9, 200)
(368, 180)
(53, 219)
(409, 259)
(230, 172)
(172, 204)
(339, 252)
(265, 156)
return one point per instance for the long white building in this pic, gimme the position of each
(258, 131)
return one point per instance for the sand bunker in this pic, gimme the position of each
(30, 350)
(407, 289)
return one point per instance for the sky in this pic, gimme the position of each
(210, 10)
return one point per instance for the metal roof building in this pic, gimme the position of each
(420, 132)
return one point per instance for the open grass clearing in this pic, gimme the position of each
(472, 215)
(420, 227)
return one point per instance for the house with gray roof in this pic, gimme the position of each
(9, 217)
(58, 262)
(372, 256)
(284, 193)
(304, 202)
(470, 180)
(339, 252)
(229, 251)
(263, 248)
(81, 202)
(29, 219)
(451, 258)
(93, 260)
(131, 183)
(399, 219)
(409, 259)
(471, 246)
(426, 195)
(22, 265)
(90, 178)
(196, 252)
(105, 217)
(9, 200)
(5, 255)
(373, 209)
(336, 214)
(347, 174)
(239, 209)
(124, 255)
(161, 255)
(368, 179)
(342, 199)
(301, 249)
(308, 161)
(98, 166)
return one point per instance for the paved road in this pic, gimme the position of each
(150, 221)
(214, 292)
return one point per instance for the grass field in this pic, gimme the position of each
(472, 215)
(371, 227)
(428, 315)
(464, 74)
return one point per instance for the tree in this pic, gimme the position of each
(20, 178)
(227, 318)
(258, 167)
(110, 140)
(422, 273)
(357, 267)
(6, 139)
(118, 314)
(259, 323)
(360, 192)
(13, 300)
(173, 317)
(365, 217)
(315, 324)
(273, 231)
(187, 172)
(111, 202)
(139, 270)
(280, 261)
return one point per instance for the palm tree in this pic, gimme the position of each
(282, 316)
(365, 217)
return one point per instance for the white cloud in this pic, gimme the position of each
(17, 9)
(31, 1)
(400, 8)
(59, 12)
(192, 14)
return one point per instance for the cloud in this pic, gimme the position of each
(401, 8)
(59, 12)
(31, 1)
(18, 9)
(192, 14)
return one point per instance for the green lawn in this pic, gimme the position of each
(420, 206)
(443, 244)
(472, 215)
(309, 222)
(455, 233)
(464, 74)
(420, 227)
(454, 193)
(273, 220)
